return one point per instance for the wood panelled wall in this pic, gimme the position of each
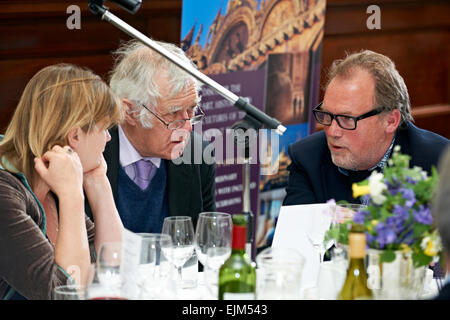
(415, 34)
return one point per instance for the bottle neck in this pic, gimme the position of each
(357, 245)
(239, 238)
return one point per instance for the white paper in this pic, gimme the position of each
(294, 223)
(131, 256)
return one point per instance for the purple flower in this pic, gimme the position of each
(385, 234)
(410, 180)
(409, 196)
(393, 187)
(423, 215)
(400, 212)
(360, 216)
(369, 238)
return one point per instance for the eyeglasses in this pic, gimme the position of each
(345, 122)
(177, 124)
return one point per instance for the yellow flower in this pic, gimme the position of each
(405, 248)
(374, 222)
(431, 249)
(359, 190)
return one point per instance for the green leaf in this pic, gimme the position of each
(387, 256)
(420, 259)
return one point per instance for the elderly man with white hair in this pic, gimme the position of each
(160, 101)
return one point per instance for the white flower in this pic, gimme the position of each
(424, 242)
(397, 148)
(377, 187)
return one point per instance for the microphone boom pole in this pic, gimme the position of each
(257, 115)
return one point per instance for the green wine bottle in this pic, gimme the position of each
(355, 285)
(237, 276)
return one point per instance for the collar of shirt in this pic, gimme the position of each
(128, 154)
(380, 164)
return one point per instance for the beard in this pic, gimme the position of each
(346, 162)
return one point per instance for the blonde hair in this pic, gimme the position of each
(57, 99)
(390, 88)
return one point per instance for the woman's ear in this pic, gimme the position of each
(73, 137)
(129, 112)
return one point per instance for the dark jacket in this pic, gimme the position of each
(444, 293)
(313, 178)
(190, 187)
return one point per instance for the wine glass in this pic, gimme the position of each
(213, 230)
(181, 230)
(215, 258)
(320, 223)
(108, 263)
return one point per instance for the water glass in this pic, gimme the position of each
(69, 292)
(279, 274)
(155, 272)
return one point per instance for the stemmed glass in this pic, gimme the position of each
(213, 231)
(213, 245)
(316, 232)
(181, 230)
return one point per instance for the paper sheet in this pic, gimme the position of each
(294, 223)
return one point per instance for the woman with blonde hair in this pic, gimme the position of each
(50, 160)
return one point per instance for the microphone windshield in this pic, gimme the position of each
(132, 6)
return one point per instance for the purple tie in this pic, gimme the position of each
(143, 170)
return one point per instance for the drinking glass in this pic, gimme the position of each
(181, 231)
(154, 272)
(69, 292)
(215, 258)
(108, 263)
(105, 290)
(342, 213)
(213, 230)
(319, 224)
(279, 274)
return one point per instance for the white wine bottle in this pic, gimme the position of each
(237, 276)
(355, 285)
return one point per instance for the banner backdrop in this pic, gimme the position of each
(268, 51)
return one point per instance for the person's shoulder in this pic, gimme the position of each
(312, 146)
(425, 141)
(424, 146)
(425, 136)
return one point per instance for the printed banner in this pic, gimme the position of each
(268, 51)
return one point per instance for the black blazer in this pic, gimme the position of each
(313, 178)
(444, 293)
(190, 187)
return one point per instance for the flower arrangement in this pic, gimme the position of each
(398, 216)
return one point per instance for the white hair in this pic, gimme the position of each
(134, 73)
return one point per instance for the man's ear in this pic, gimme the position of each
(129, 112)
(73, 138)
(393, 121)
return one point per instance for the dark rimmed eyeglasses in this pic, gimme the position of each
(345, 122)
(177, 124)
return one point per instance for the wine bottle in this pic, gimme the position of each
(355, 285)
(237, 276)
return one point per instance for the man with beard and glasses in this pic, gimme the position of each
(365, 113)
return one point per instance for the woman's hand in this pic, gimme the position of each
(61, 169)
